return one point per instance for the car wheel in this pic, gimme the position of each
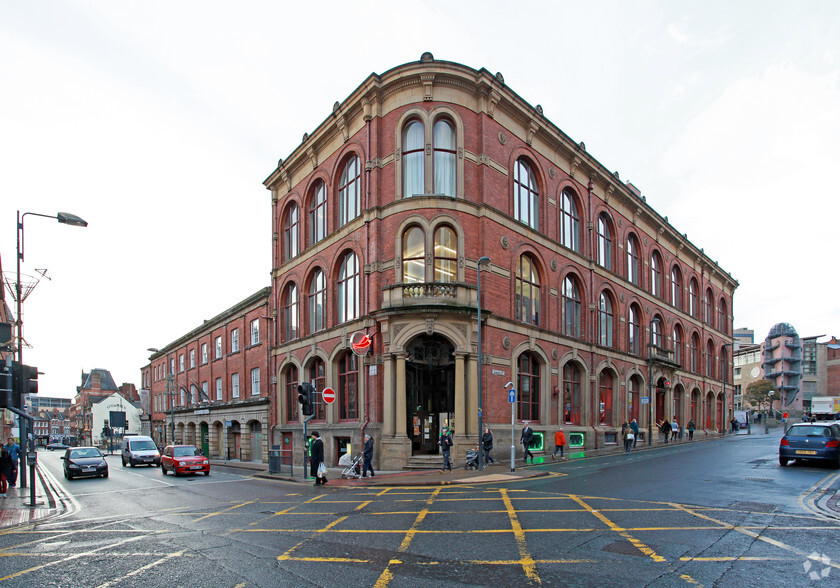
(68, 476)
(783, 461)
(105, 475)
(131, 463)
(123, 462)
(162, 469)
(207, 473)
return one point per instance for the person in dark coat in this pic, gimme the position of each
(316, 457)
(5, 470)
(367, 453)
(527, 440)
(487, 445)
(665, 429)
(445, 443)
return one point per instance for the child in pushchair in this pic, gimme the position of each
(352, 466)
(472, 459)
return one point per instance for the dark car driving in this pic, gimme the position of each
(84, 461)
(805, 441)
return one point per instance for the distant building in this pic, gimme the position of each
(743, 337)
(36, 402)
(782, 363)
(102, 410)
(748, 369)
(96, 385)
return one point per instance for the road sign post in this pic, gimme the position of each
(512, 401)
(328, 395)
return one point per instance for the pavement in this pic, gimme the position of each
(17, 509)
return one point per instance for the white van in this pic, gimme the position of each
(138, 449)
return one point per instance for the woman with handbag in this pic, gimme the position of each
(316, 459)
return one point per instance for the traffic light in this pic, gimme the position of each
(25, 381)
(306, 398)
(6, 382)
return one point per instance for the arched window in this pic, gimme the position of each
(571, 394)
(444, 164)
(604, 241)
(571, 307)
(605, 398)
(710, 359)
(318, 213)
(569, 221)
(605, 320)
(292, 394)
(722, 363)
(317, 301)
(676, 286)
(529, 387)
(413, 156)
(446, 255)
(291, 232)
(635, 397)
(633, 262)
(656, 332)
(692, 298)
(525, 194)
(349, 191)
(348, 395)
(634, 331)
(722, 322)
(527, 291)
(695, 353)
(707, 307)
(678, 344)
(290, 313)
(414, 255)
(348, 288)
(656, 274)
(318, 379)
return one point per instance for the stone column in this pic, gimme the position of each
(400, 410)
(388, 397)
(460, 408)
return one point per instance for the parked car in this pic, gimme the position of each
(84, 461)
(183, 459)
(139, 449)
(56, 446)
(805, 441)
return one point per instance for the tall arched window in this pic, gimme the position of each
(318, 378)
(291, 232)
(529, 387)
(710, 359)
(656, 274)
(446, 255)
(604, 241)
(348, 288)
(635, 397)
(722, 363)
(525, 194)
(569, 221)
(656, 332)
(349, 191)
(678, 344)
(348, 395)
(722, 326)
(634, 330)
(695, 354)
(413, 156)
(633, 262)
(571, 307)
(527, 291)
(676, 286)
(444, 164)
(605, 398)
(414, 256)
(317, 301)
(571, 394)
(292, 394)
(707, 307)
(605, 320)
(692, 298)
(290, 313)
(318, 213)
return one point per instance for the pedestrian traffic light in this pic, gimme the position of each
(306, 398)
(6, 383)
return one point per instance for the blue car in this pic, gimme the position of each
(805, 441)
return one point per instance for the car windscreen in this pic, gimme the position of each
(80, 453)
(142, 445)
(808, 431)
(186, 452)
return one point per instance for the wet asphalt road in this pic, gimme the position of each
(712, 513)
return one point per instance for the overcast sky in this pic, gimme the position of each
(157, 122)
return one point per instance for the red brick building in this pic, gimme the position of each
(381, 215)
(215, 382)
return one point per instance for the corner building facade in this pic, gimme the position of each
(381, 216)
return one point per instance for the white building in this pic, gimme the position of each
(102, 408)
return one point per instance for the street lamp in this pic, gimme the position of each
(64, 218)
(725, 372)
(481, 464)
(650, 379)
(170, 392)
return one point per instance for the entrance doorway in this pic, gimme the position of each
(430, 391)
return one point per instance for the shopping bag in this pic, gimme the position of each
(322, 470)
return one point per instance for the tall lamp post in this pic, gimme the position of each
(650, 380)
(725, 372)
(64, 218)
(170, 392)
(481, 464)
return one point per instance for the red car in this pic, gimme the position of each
(183, 459)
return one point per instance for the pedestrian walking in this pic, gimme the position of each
(316, 458)
(487, 445)
(367, 453)
(691, 430)
(635, 426)
(665, 429)
(628, 438)
(445, 443)
(559, 443)
(675, 429)
(5, 470)
(527, 439)
(14, 452)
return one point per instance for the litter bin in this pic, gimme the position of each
(275, 459)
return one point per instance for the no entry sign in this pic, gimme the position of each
(329, 395)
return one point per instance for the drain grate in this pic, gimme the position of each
(759, 479)
(753, 506)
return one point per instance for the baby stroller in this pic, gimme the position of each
(472, 459)
(352, 466)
